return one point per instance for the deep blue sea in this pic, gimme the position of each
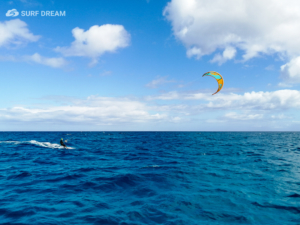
(172, 178)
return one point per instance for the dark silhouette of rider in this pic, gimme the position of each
(62, 143)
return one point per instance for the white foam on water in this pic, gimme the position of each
(11, 142)
(34, 142)
(151, 166)
(45, 144)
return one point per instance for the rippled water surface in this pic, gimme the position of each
(150, 178)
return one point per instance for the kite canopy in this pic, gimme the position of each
(218, 77)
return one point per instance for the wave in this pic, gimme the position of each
(37, 143)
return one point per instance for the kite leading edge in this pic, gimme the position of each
(218, 77)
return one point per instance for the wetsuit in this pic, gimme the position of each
(62, 143)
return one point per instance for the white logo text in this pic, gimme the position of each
(43, 13)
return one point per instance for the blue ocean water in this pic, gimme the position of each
(150, 178)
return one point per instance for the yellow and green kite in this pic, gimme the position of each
(218, 77)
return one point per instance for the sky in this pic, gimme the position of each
(137, 65)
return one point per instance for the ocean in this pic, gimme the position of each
(172, 178)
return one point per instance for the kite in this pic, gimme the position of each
(218, 77)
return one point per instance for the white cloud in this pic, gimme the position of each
(228, 53)
(280, 117)
(53, 62)
(167, 96)
(255, 27)
(291, 71)
(264, 109)
(91, 110)
(284, 85)
(159, 81)
(277, 100)
(252, 26)
(96, 41)
(56, 62)
(235, 116)
(194, 51)
(15, 32)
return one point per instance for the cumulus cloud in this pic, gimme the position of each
(228, 53)
(15, 32)
(253, 27)
(96, 41)
(159, 81)
(53, 62)
(291, 71)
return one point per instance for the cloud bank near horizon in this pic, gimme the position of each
(262, 107)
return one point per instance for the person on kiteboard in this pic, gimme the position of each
(62, 143)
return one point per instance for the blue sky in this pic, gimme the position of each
(138, 65)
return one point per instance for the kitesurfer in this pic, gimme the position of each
(62, 143)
